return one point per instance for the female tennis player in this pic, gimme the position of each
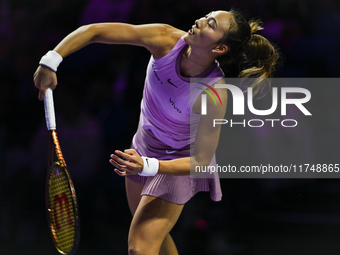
(158, 164)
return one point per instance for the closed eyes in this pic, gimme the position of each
(210, 22)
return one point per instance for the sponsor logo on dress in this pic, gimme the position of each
(174, 105)
(155, 72)
(169, 80)
(169, 152)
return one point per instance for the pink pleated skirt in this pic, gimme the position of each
(175, 189)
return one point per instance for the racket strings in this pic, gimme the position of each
(61, 209)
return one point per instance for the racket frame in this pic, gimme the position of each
(55, 149)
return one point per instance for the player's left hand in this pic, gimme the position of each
(127, 163)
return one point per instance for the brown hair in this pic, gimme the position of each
(259, 55)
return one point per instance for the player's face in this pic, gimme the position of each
(208, 30)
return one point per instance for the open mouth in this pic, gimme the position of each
(191, 31)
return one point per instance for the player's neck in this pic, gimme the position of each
(194, 62)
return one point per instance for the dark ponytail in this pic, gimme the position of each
(259, 55)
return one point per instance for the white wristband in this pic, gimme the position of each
(52, 60)
(150, 166)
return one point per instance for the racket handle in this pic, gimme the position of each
(49, 110)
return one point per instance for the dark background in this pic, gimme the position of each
(97, 103)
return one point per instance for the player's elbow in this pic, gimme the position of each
(197, 164)
(202, 161)
(89, 31)
(94, 33)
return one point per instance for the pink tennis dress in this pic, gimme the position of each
(167, 126)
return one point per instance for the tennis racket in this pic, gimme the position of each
(61, 200)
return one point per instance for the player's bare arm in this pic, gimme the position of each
(157, 38)
(206, 142)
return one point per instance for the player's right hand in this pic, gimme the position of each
(129, 162)
(44, 78)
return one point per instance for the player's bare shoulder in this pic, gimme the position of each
(222, 92)
(163, 39)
